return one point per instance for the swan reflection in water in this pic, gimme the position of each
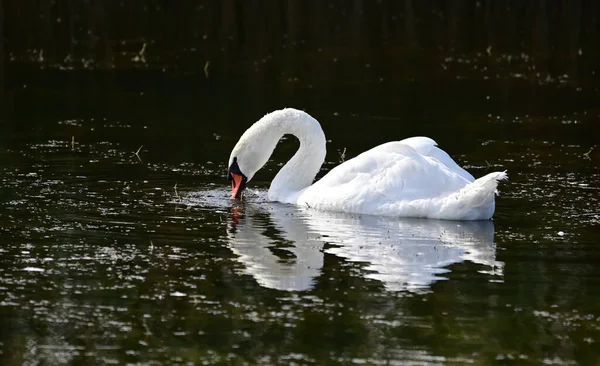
(283, 246)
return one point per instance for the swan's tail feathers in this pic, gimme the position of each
(499, 176)
(492, 180)
(481, 192)
(475, 201)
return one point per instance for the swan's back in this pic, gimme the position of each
(412, 177)
(427, 147)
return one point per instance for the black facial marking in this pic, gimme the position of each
(235, 169)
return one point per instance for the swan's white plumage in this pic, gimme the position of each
(409, 178)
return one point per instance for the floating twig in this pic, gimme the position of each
(137, 153)
(343, 155)
(140, 56)
(176, 193)
(206, 66)
(587, 154)
(73, 142)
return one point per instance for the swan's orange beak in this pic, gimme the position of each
(237, 178)
(236, 185)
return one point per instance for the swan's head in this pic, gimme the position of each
(237, 178)
(249, 155)
(258, 142)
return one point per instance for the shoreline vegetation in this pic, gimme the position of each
(535, 40)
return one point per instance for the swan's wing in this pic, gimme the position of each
(421, 144)
(427, 147)
(387, 174)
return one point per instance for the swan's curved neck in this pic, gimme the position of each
(300, 171)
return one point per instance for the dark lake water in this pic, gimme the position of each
(119, 243)
(117, 258)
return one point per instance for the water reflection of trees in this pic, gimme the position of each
(562, 36)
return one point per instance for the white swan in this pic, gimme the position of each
(408, 178)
